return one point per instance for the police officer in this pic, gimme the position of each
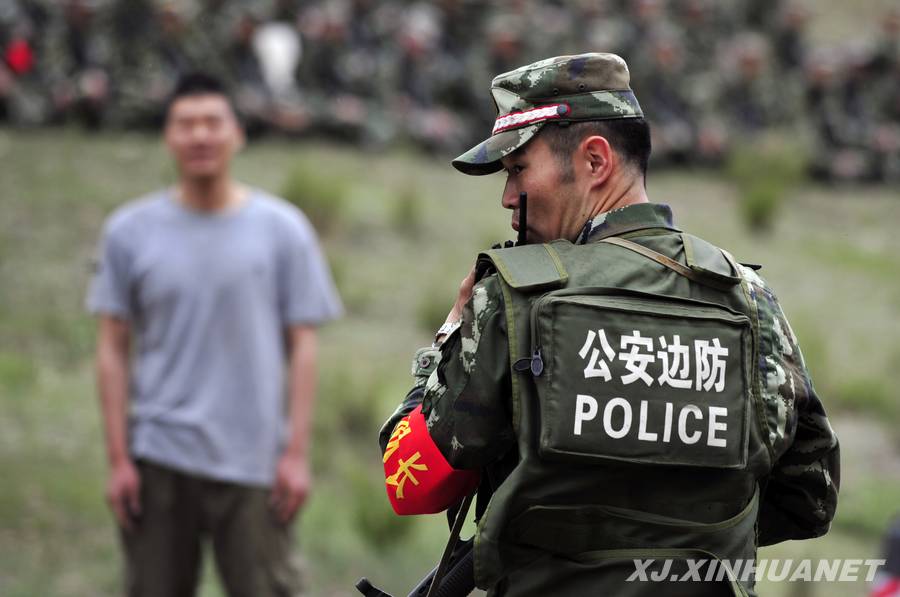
(627, 391)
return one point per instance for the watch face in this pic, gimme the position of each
(447, 328)
(444, 331)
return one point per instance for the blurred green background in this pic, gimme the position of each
(400, 232)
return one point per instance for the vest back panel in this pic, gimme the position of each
(634, 403)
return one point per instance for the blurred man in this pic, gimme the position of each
(79, 55)
(664, 88)
(789, 37)
(625, 391)
(208, 296)
(748, 97)
(826, 118)
(24, 99)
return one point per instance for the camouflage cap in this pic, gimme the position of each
(562, 89)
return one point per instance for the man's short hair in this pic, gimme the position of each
(629, 137)
(199, 83)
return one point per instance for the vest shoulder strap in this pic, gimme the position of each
(709, 260)
(528, 267)
(717, 268)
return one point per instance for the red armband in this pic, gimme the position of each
(889, 587)
(418, 478)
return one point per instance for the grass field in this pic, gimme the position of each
(405, 233)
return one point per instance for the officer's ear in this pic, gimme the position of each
(598, 158)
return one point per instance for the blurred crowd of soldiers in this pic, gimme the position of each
(710, 75)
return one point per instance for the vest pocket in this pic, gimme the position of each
(580, 529)
(631, 573)
(642, 378)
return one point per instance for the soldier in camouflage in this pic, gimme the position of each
(572, 508)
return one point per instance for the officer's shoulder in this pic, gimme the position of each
(527, 267)
(711, 260)
(750, 272)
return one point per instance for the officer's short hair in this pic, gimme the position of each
(200, 83)
(629, 137)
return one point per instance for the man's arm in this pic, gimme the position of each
(463, 422)
(427, 359)
(292, 476)
(466, 401)
(801, 490)
(123, 485)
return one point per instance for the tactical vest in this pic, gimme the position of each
(640, 427)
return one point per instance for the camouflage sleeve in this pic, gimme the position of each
(464, 386)
(466, 400)
(801, 490)
(465, 397)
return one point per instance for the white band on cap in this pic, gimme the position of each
(517, 119)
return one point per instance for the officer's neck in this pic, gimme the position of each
(618, 192)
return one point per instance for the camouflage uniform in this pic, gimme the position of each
(23, 95)
(750, 96)
(465, 385)
(78, 56)
(468, 391)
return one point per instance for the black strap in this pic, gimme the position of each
(451, 544)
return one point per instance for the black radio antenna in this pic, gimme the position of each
(523, 218)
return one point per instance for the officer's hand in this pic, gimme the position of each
(292, 484)
(465, 294)
(123, 492)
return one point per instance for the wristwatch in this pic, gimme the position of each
(445, 330)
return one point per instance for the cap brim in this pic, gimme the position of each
(484, 158)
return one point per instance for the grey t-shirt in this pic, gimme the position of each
(209, 297)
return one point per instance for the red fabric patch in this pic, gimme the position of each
(19, 56)
(418, 478)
